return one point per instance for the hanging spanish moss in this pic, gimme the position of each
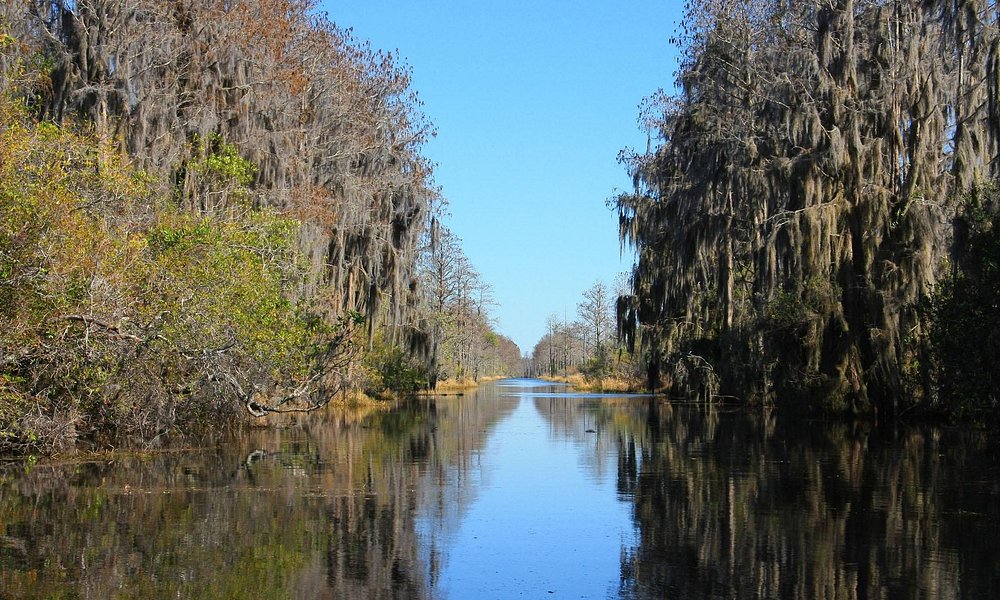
(796, 211)
(255, 93)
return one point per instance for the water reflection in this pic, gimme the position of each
(518, 490)
(324, 509)
(738, 507)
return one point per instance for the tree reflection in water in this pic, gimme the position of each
(736, 506)
(323, 509)
(724, 504)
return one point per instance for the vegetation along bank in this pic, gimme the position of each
(816, 226)
(233, 221)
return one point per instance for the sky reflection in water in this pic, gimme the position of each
(519, 490)
(542, 523)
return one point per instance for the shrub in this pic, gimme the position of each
(392, 369)
(966, 310)
(123, 317)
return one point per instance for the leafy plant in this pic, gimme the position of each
(965, 334)
(394, 370)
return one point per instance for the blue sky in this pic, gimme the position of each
(532, 102)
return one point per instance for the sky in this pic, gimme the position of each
(532, 102)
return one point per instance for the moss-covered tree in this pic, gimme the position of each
(794, 213)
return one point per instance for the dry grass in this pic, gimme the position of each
(357, 401)
(604, 384)
(460, 385)
(352, 407)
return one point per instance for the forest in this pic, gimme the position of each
(815, 219)
(587, 352)
(234, 221)
(238, 220)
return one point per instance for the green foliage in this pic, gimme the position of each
(597, 366)
(966, 310)
(125, 316)
(222, 160)
(166, 237)
(145, 301)
(790, 309)
(225, 280)
(394, 370)
(772, 164)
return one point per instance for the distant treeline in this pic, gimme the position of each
(211, 209)
(816, 226)
(586, 346)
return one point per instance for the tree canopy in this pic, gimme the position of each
(210, 209)
(795, 214)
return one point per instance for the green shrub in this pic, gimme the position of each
(123, 317)
(391, 369)
(965, 335)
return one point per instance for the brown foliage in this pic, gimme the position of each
(330, 125)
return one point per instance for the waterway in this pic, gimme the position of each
(520, 489)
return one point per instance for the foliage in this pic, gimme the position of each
(223, 160)
(966, 310)
(457, 336)
(791, 309)
(597, 366)
(250, 196)
(233, 105)
(790, 222)
(122, 317)
(216, 173)
(586, 346)
(394, 370)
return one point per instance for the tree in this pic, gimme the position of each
(252, 194)
(965, 335)
(791, 220)
(456, 306)
(331, 126)
(584, 345)
(552, 326)
(125, 319)
(596, 316)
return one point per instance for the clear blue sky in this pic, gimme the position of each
(532, 101)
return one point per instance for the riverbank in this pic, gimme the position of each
(451, 386)
(604, 384)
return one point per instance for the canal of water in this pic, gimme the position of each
(520, 489)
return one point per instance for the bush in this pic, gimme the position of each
(391, 369)
(966, 310)
(122, 317)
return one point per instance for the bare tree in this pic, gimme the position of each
(596, 315)
(457, 307)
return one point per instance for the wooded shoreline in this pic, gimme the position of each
(211, 213)
(816, 224)
(238, 221)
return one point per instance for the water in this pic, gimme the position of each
(519, 490)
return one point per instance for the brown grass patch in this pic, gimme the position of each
(581, 383)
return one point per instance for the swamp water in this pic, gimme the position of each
(517, 490)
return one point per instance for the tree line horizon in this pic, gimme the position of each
(238, 220)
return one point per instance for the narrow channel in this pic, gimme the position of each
(519, 489)
(548, 519)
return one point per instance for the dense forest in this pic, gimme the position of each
(212, 209)
(814, 224)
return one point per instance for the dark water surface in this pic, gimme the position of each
(518, 491)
